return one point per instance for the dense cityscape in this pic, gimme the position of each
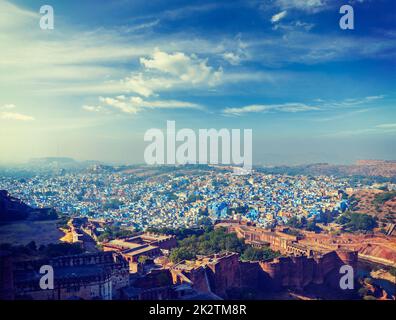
(157, 232)
(177, 200)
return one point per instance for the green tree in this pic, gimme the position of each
(180, 254)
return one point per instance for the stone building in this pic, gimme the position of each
(146, 244)
(86, 276)
(259, 237)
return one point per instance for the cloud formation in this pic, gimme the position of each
(134, 104)
(302, 107)
(8, 115)
(92, 108)
(260, 108)
(304, 5)
(163, 71)
(387, 126)
(279, 16)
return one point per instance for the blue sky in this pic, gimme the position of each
(111, 70)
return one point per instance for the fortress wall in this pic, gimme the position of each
(301, 271)
(6, 277)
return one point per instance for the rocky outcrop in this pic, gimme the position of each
(13, 209)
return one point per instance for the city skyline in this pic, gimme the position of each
(108, 72)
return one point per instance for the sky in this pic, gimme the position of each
(110, 70)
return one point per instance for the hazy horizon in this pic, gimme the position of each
(142, 163)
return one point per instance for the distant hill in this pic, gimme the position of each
(52, 160)
(60, 163)
(369, 168)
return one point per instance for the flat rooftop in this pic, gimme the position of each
(122, 244)
(150, 237)
(140, 250)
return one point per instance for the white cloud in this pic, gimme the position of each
(298, 46)
(163, 104)
(141, 26)
(92, 108)
(8, 106)
(373, 98)
(12, 17)
(356, 101)
(187, 68)
(232, 58)
(236, 52)
(279, 16)
(294, 26)
(133, 105)
(259, 108)
(387, 126)
(15, 116)
(301, 107)
(8, 115)
(145, 86)
(245, 109)
(119, 104)
(305, 5)
(165, 71)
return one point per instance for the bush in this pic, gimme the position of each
(256, 254)
(383, 197)
(357, 222)
(114, 232)
(180, 254)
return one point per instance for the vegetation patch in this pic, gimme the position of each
(217, 241)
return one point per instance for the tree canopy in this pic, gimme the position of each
(216, 241)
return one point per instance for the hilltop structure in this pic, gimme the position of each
(86, 276)
(146, 244)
